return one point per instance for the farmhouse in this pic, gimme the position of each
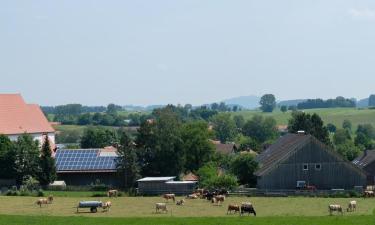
(18, 117)
(163, 185)
(366, 161)
(302, 159)
(80, 167)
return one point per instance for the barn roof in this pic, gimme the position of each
(146, 179)
(286, 145)
(18, 117)
(224, 148)
(85, 160)
(365, 158)
(278, 151)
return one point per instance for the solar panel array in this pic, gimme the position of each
(83, 160)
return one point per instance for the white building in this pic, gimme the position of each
(17, 117)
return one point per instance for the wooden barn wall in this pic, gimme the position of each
(334, 173)
(84, 179)
(370, 169)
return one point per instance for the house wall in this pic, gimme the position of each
(334, 173)
(36, 136)
(83, 179)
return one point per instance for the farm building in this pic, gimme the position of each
(17, 117)
(300, 158)
(224, 148)
(163, 185)
(366, 161)
(80, 167)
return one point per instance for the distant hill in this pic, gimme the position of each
(291, 102)
(248, 102)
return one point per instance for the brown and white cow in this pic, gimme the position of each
(112, 193)
(180, 202)
(42, 201)
(234, 208)
(369, 194)
(169, 196)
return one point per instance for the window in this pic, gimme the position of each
(318, 166)
(305, 166)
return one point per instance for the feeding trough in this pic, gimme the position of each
(93, 205)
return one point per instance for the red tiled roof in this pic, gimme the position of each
(17, 117)
(190, 177)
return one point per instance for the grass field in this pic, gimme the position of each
(332, 115)
(235, 220)
(140, 210)
(144, 207)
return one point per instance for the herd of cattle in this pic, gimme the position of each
(216, 197)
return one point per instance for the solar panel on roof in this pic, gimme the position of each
(83, 160)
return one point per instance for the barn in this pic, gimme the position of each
(82, 167)
(163, 185)
(302, 159)
(366, 161)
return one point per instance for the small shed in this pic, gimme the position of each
(163, 185)
(58, 185)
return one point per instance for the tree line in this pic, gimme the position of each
(329, 103)
(23, 159)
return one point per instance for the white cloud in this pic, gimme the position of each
(368, 14)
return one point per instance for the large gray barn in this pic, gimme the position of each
(300, 157)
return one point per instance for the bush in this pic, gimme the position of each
(40, 193)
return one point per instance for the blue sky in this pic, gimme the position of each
(185, 51)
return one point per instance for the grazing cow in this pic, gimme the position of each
(161, 207)
(50, 199)
(369, 194)
(180, 202)
(192, 196)
(42, 201)
(352, 206)
(235, 208)
(112, 193)
(220, 198)
(169, 196)
(216, 201)
(247, 207)
(209, 196)
(107, 206)
(333, 208)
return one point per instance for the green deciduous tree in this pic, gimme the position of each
(267, 103)
(160, 145)
(284, 108)
(331, 128)
(26, 157)
(260, 129)
(341, 136)
(6, 158)
(311, 124)
(243, 166)
(347, 125)
(224, 127)
(97, 137)
(127, 162)
(198, 149)
(47, 172)
(348, 150)
(239, 121)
